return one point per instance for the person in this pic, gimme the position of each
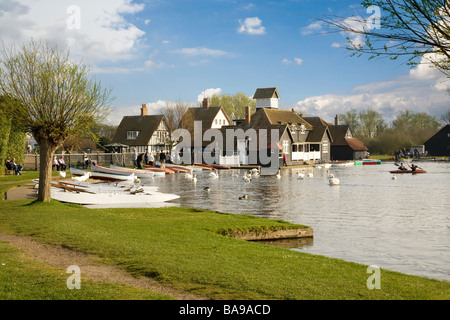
(86, 160)
(139, 160)
(168, 158)
(16, 167)
(151, 159)
(62, 164)
(413, 167)
(8, 165)
(134, 158)
(55, 163)
(402, 167)
(146, 158)
(284, 160)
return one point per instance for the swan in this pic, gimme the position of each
(310, 175)
(278, 175)
(394, 177)
(330, 176)
(213, 174)
(83, 177)
(334, 182)
(300, 176)
(188, 175)
(62, 174)
(194, 178)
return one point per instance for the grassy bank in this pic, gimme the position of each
(182, 248)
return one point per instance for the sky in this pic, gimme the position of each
(158, 52)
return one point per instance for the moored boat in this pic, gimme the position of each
(141, 174)
(103, 176)
(208, 167)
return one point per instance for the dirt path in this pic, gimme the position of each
(61, 258)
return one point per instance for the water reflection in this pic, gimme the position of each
(401, 225)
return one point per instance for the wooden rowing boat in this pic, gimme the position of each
(158, 169)
(103, 176)
(208, 167)
(141, 174)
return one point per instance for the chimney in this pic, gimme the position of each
(336, 120)
(144, 110)
(205, 103)
(248, 115)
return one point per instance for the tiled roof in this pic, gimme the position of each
(266, 93)
(147, 125)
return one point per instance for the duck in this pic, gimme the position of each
(244, 197)
(207, 189)
(394, 177)
(334, 182)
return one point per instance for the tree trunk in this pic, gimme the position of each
(45, 170)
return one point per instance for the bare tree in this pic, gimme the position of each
(53, 97)
(410, 28)
(174, 112)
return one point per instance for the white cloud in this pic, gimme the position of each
(312, 28)
(387, 97)
(297, 61)
(208, 93)
(152, 64)
(200, 51)
(95, 30)
(252, 26)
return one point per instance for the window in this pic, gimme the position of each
(302, 129)
(216, 121)
(132, 135)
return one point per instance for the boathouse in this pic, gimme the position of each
(439, 144)
(344, 145)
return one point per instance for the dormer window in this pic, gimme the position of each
(293, 128)
(302, 129)
(132, 135)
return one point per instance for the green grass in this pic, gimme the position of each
(25, 279)
(182, 248)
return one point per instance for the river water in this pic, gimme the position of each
(401, 225)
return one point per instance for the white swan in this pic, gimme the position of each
(334, 182)
(62, 174)
(82, 178)
(213, 175)
(188, 175)
(194, 178)
(310, 174)
(300, 176)
(278, 175)
(394, 177)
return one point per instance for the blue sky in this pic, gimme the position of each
(158, 51)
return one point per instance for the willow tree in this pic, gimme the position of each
(52, 96)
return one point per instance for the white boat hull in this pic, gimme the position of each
(103, 176)
(141, 174)
(111, 198)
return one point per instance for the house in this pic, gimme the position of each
(297, 138)
(439, 144)
(344, 145)
(209, 118)
(145, 132)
